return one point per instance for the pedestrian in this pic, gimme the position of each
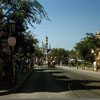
(40, 64)
(95, 65)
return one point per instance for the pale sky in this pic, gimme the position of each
(70, 20)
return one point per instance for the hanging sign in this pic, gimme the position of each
(11, 41)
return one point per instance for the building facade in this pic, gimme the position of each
(45, 48)
(98, 50)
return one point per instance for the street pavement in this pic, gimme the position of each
(55, 83)
(87, 71)
(5, 91)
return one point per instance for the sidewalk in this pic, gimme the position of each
(86, 70)
(4, 90)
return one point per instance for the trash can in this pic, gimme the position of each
(83, 67)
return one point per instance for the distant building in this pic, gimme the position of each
(45, 48)
(98, 34)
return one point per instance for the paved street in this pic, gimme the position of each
(59, 82)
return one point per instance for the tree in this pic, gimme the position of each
(29, 41)
(28, 44)
(60, 54)
(38, 53)
(72, 54)
(84, 47)
(23, 12)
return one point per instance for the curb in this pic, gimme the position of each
(17, 86)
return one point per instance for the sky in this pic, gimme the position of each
(70, 21)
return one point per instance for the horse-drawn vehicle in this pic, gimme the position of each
(51, 63)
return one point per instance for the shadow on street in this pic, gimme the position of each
(52, 80)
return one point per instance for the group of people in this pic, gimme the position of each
(40, 62)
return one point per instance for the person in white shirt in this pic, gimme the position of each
(95, 65)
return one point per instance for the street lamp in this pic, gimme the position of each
(7, 30)
(11, 28)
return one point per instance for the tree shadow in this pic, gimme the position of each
(44, 80)
(85, 85)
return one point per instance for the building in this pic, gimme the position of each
(98, 49)
(45, 48)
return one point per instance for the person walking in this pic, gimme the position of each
(40, 64)
(95, 66)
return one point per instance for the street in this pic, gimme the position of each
(59, 82)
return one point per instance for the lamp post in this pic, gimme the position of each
(7, 29)
(11, 43)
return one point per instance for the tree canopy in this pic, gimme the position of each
(59, 54)
(84, 47)
(23, 12)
